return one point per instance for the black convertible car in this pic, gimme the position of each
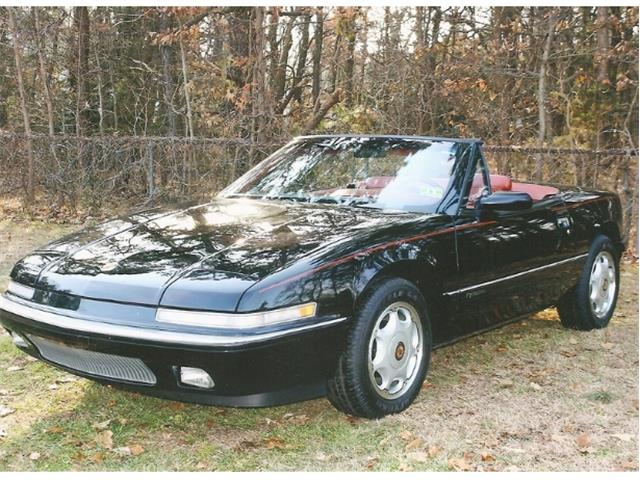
(332, 267)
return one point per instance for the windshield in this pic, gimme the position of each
(385, 173)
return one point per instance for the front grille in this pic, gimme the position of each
(95, 363)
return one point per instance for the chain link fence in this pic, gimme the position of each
(101, 171)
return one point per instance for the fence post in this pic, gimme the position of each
(151, 171)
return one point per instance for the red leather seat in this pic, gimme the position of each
(501, 183)
(375, 182)
(537, 192)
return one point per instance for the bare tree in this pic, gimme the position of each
(17, 51)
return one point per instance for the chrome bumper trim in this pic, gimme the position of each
(60, 320)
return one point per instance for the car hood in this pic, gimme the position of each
(203, 256)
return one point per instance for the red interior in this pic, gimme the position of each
(499, 183)
(502, 183)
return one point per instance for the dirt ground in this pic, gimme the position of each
(529, 396)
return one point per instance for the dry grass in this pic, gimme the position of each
(529, 396)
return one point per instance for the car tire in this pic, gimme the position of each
(590, 304)
(380, 372)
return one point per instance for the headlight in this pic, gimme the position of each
(20, 290)
(236, 320)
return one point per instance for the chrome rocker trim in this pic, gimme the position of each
(515, 275)
(162, 336)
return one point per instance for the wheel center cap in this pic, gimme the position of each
(399, 353)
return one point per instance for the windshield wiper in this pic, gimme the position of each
(292, 198)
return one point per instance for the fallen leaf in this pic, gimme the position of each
(583, 441)
(79, 456)
(34, 455)
(413, 445)
(487, 457)
(105, 439)
(53, 386)
(573, 341)
(418, 456)
(14, 368)
(136, 449)
(123, 451)
(460, 465)
(321, 457)
(405, 468)
(607, 345)
(4, 411)
(433, 451)
(300, 419)
(67, 379)
(177, 406)
(54, 430)
(353, 420)
(245, 445)
(274, 442)
(535, 386)
(98, 457)
(268, 421)
(370, 462)
(506, 383)
(406, 435)
(102, 425)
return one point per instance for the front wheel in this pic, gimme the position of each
(387, 353)
(590, 304)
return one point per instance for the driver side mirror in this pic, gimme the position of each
(499, 202)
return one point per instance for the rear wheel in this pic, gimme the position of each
(387, 353)
(590, 304)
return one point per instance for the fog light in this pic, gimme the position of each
(196, 377)
(19, 341)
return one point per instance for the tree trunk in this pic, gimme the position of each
(43, 71)
(303, 51)
(82, 68)
(350, 61)
(319, 115)
(166, 55)
(317, 57)
(281, 70)
(260, 110)
(542, 94)
(603, 39)
(185, 81)
(272, 39)
(17, 52)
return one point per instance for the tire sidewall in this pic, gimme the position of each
(600, 243)
(388, 292)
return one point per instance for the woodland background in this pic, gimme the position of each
(102, 107)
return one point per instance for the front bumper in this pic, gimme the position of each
(249, 369)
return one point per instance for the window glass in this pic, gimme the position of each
(377, 172)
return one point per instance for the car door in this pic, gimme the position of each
(504, 262)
